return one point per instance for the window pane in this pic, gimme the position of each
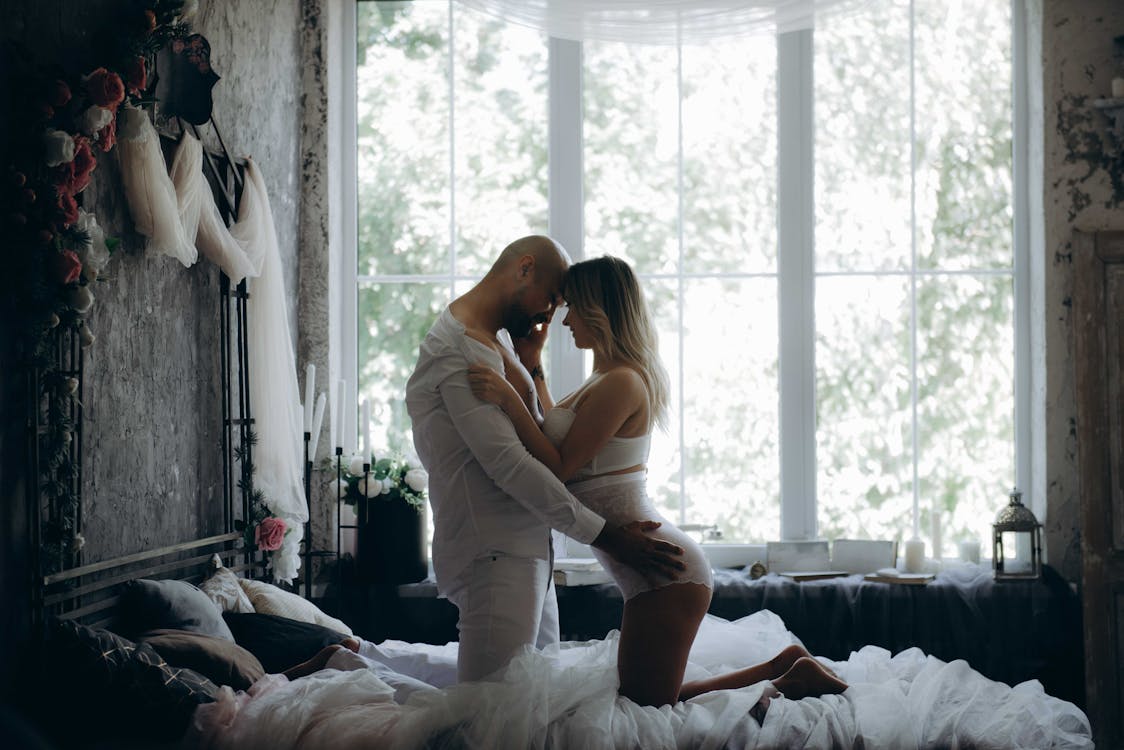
(403, 148)
(393, 320)
(730, 412)
(631, 154)
(730, 156)
(864, 435)
(501, 137)
(964, 202)
(862, 149)
(966, 402)
(663, 461)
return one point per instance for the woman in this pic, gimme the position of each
(596, 440)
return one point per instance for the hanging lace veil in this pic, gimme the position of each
(148, 189)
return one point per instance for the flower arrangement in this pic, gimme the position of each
(58, 124)
(389, 478)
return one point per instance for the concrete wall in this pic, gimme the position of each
(1078, 167)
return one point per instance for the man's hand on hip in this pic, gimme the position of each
(647, 555)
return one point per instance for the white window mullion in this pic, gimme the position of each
(347, 216)
(916, 432)
(566, 200)
(451, 77)
(796, 284)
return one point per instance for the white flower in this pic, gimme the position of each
(95, 254)
(373, 488)
(58, 147)
(94, 119)
(78, 543)
(387, 486)
(417, 479)
(355, 466)
(340, 488)
(72, 386)
(80, 298)
(85, 335)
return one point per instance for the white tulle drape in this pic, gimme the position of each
(663, 21)
(148, 189)
(177, 212)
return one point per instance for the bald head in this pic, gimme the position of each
(548, 257)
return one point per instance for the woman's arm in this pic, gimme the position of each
(609, 403)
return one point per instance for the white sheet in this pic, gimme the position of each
(400, 695)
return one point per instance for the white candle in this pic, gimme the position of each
(317, 424)
(309, 391)
(366, 417)
(1118, 88)
(914, 556)
(352, 415)
(970, 551)
(935, 523)
(341, 412)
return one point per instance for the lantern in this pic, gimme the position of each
(1017, 545)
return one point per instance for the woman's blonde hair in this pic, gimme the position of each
(604, 292)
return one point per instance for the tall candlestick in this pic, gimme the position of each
(366, 417)
(352, 416)
(317, 424)
(341, 412)
(309, 394)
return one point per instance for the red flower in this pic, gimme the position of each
(44, 110)
(149, 24)
(105, 88)
(60, 93)
(67, 267)
(107, 136)
(83, 164)
(136, 78)
(269, 534)
(68, 208)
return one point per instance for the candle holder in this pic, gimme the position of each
(307, 524)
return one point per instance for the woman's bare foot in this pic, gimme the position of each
(316, 663)
(784, 660)
(807, 677)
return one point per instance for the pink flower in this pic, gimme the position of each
(105, 88)
(269, 534)
(67, 267)
(136, 78)
(68, 208)
(84, 163)
(59, 93)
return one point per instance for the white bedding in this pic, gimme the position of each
(401, 695)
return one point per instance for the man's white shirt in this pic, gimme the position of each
(488, 494)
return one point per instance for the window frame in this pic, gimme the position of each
(796, 275)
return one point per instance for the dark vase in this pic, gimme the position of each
(391, 541)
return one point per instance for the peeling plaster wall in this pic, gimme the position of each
(1083, 189)
(152, 471)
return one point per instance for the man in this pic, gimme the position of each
(493, 503)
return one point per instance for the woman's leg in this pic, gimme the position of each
(769, 670)
(320, 660)
(657, 631)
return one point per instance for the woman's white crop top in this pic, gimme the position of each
(619, 453)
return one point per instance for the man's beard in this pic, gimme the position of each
(517, 322)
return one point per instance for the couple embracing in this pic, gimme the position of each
(507, 464)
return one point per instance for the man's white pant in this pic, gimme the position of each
(505, 603)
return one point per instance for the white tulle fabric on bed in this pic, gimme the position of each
(401, 695)
(200, 217)
(148, 189)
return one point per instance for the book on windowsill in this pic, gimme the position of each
(812, 575)
(579, 571)
(893, 575)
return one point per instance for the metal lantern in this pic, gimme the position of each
(1017, 542)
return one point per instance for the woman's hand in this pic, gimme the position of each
(488, 385)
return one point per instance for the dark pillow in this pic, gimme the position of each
(176, 605)
(219, 660)
(95, 684)
(278, 642)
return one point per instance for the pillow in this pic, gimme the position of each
(96, 684)
(223, 589)
(271, 600)
(150, 605)
(221, 661)
(279, 642)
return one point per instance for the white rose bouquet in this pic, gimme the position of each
(390, 478)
